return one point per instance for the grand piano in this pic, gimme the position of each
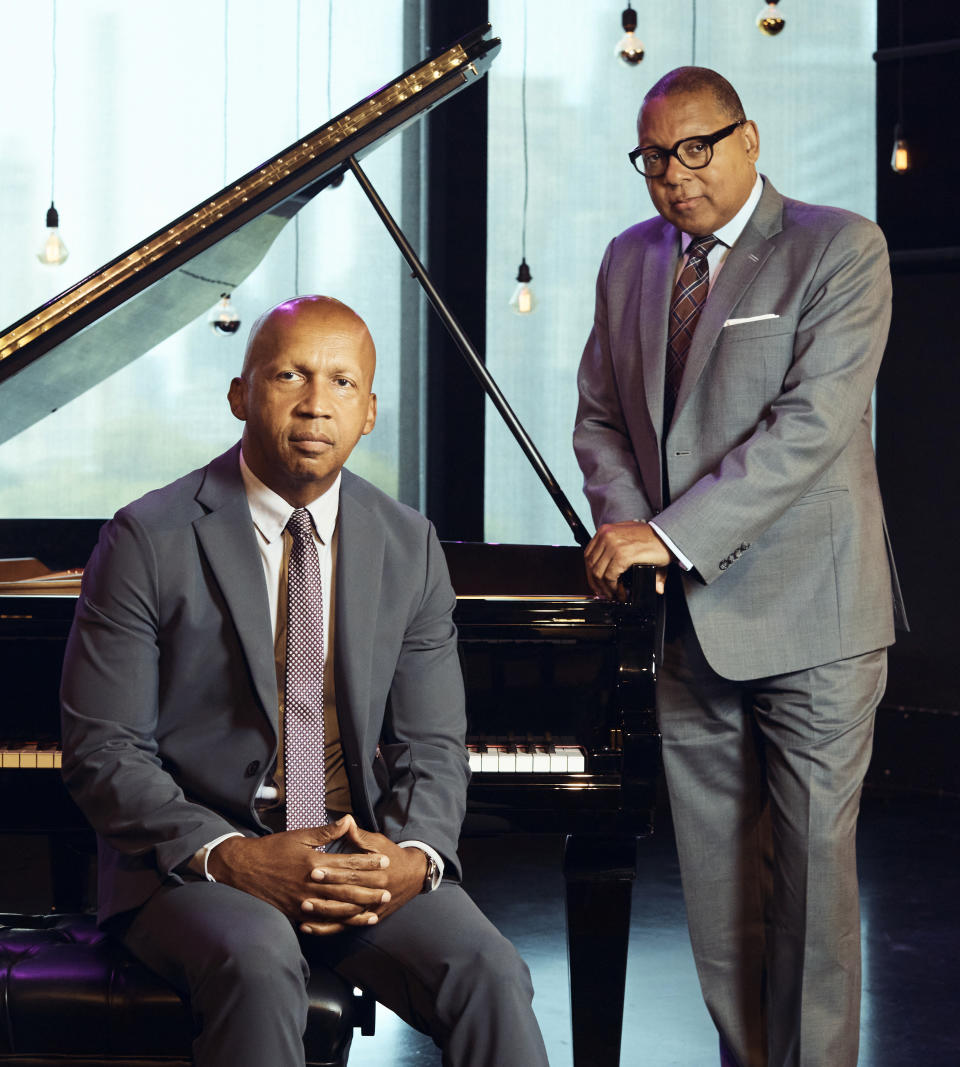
(560, 686)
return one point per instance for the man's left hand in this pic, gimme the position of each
(405, 871)
(615, 547)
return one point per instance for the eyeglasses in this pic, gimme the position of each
(693, 152)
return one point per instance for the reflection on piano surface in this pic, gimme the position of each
(560, 687)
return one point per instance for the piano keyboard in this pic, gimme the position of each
(525, 757)
(31, 755)
(500, 757)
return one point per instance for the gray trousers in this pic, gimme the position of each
(764, 778)
(437, 962)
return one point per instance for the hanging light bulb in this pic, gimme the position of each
(224, 318)
(53, 251)
(770, 21)
(523, 300)
(629, 48)
(900, 159)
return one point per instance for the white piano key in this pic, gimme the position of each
(474, 760)
(524, 763)
(558, 761)
(576, 760)
(489, 760)
(507, 763)
(541, 761)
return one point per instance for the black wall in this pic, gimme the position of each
(918, 397)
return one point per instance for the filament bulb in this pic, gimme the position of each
(224, 318)
(770, 21)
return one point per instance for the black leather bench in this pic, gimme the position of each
(70, 994)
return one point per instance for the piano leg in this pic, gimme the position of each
(599, 870)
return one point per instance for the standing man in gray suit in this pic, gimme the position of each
(199, 707)
(724, 435)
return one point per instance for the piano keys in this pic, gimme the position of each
(505, 755)
(31, 755)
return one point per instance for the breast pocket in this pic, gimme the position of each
(757, 355)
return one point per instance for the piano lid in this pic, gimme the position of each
(146, 294)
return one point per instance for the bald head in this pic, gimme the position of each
(321, 315)
(304, 395)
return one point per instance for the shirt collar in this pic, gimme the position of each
(728, 233)
(271, 513)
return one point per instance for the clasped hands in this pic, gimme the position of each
(615, 547)
(323, 892)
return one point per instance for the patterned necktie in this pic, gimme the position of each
(688, 296)
(303, 697)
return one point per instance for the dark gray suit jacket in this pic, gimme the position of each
(169, 697)
(773, 487)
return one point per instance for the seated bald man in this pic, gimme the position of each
(263, 721)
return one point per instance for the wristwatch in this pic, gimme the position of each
(432, 878)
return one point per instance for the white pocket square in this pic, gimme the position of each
(752, 318)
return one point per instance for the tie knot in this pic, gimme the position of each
(700, 247)
(300, 525)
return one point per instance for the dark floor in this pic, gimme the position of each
(910, 875)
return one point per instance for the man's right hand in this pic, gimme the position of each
(276, 868)
(617, 546)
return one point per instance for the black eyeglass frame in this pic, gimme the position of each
(709, 139)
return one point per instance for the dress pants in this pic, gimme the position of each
(437, 962)
(764, 778)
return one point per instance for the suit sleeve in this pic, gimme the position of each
(422, 742)
(109, 709)
(826, 395)
(611, 477)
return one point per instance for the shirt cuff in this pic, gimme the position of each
(432, 853)
(209, 847)
(681, 558)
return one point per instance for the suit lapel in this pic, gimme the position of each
(360, 553)
(741, 266)
(652, 311)
(227, 538)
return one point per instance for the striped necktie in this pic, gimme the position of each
(688, 296)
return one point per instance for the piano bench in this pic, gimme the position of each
(71, 994)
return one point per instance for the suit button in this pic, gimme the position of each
(252, 767)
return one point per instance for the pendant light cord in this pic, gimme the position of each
(226, 74)
(296, 98)
(523, 113)
(53, 101)
(329, 57)
(900, 65)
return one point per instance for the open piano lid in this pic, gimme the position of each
(146, 294)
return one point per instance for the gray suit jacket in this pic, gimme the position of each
(169, 696)
(772, 481)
